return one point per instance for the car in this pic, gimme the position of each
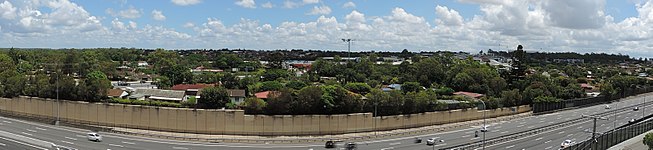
(330, 144)
(607, 106)
(350, 146)
(418, 140)
(430, 141)
(565, 144)
(636, 108)
(92, 136)
(631, 120)
(484, 129)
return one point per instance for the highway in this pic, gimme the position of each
(75, 138)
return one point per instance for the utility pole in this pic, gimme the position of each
(374, 117)
(348, 41)
(594, 127)
(58, 102)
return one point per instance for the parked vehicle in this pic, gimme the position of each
(92, 136)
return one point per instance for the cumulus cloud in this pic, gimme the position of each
(158, 15)
(311, 1)
(576, 14)
(8, 10)
(186, 2)
(320, 10)
(349, 5)
(290, 4)
(189, 25)
(447, 16)
(246, 3)
(267, 5)
(131, 13)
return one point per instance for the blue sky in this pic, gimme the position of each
(611, 26)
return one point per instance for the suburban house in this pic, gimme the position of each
(470, 94)
(266, 94)
(158, 95)
(236, 96)
(116, 93)
(191, 89)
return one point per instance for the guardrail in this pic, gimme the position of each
(614, 137)
(509, 137)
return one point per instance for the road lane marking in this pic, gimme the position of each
(474, 138)
(74, 139)
(71, 143)
(547, 141)
(5, 121)
(26, 133)
(40, 129)
(179, 148)
(561, 132)
(132, 143)
(3, 144)
(531, 126)
(519, 126)
(116, 145)
(504, 132)
(464, 136)
(396, 143)
(497, 127)
(508, 147)
(31, 130)
(388, 148)
(570, 134)
(538, 139)
(549, 147)
(580, 127)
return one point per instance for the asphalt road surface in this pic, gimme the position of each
(75, 138)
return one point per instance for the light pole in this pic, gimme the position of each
(484, 127)
(56, 122)
(374, 117)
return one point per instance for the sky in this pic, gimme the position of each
(584, 26)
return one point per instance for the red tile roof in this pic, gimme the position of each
(184, 87)
(470, 94)
(265, 94)
(114, 92)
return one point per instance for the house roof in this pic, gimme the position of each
(585, 85)
(115, 92)
(184, 87)
(470, 94)
(161, 94)
(265, 94)
(236, 93)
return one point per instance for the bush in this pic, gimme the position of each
(190, 102)
(648, 140)
(546, 99)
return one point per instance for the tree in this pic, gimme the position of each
(14, 86)
(496, 85)
(280, 105)
(410, 87)
(274, 74)
(648, 140)
(308, 101)
(254, 105)
(511, 98)
(213, 98)
(296, 84)
(462, 81)
(356, 87)
(6, 62)
(270, 86)
(163, 82)
(97, 85)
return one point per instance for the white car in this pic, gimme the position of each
(484, 129)
(565, 144)
(607, 106)
(94, 137)
(430, 141)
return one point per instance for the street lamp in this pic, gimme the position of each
(348, 41)
(484, 107)
(374, 117)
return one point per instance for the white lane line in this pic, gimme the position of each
(37, 128)
(5, 121)
(570, 134)
(508, 147)
(81, 136)
(26, 133)
(538, 139)
(497, 127)
(31, 130)
(3, 144)
(561, 132)
(464, 136)
(519, 126)
(179, 148)
(547, 141)
(74, 139)
(24, 143)
(71, 143)
(388, 148)
(580, 127)
(549, 147)
(504, 132)
(395, 143)
(531, 126)
(474, 138)
(116, 145)
(132, 143)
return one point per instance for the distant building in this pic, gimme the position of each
(267, 94)
(470, 94)
(191, 89)
(236, 96)
(158, 95)
(116, 93)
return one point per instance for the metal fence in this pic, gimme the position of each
(611, 138)
(546, 107)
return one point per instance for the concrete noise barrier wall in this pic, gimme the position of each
(232, 122)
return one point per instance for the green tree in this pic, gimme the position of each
(511, 98)
(270, 86)
(308, 101)
(410, 87)
(360, 88)
(274, 74)
(461, 81)
(97, 85)
(254, 105)
(213, 98)
(296, 84)
(648, 140)
(280, 104)
(14, 86)
(6, 62)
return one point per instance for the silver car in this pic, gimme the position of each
(92, 136)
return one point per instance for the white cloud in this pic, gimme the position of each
(130, 13)
(448, 17)
(320, 10)
(8, 11)
(290, 4)
(132, 24)
(186, 2)
(158, 15)
(267, 5)
(349, 5)
(311, 1)
(189, 25)
(246, 3)
(576, 14)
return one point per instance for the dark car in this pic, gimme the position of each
(350, 146)
(330, 144)
(418, 140)
(636, 108)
